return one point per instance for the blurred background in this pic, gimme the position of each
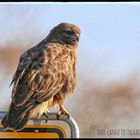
(108, 66)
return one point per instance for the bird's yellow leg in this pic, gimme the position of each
(63, 111)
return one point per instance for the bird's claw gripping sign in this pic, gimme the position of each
(42, 130)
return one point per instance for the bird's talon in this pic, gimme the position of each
(46, 117)
(63, 113)
(58, 115)
(68, 115)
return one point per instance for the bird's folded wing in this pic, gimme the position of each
(37, 77)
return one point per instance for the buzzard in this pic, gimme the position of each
(45, 75)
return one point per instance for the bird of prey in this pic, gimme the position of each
(45, 75)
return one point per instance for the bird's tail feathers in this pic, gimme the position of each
(17, 118)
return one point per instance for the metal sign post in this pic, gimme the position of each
(37, 130)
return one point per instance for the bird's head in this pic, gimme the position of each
(65, 33)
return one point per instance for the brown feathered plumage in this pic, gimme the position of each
(44, 77)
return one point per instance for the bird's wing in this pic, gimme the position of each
(25, 60)
(41, 73)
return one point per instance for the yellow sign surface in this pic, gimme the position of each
(35, 131)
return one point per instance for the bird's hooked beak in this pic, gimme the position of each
(76, 37)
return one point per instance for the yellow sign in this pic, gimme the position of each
(35, 131)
